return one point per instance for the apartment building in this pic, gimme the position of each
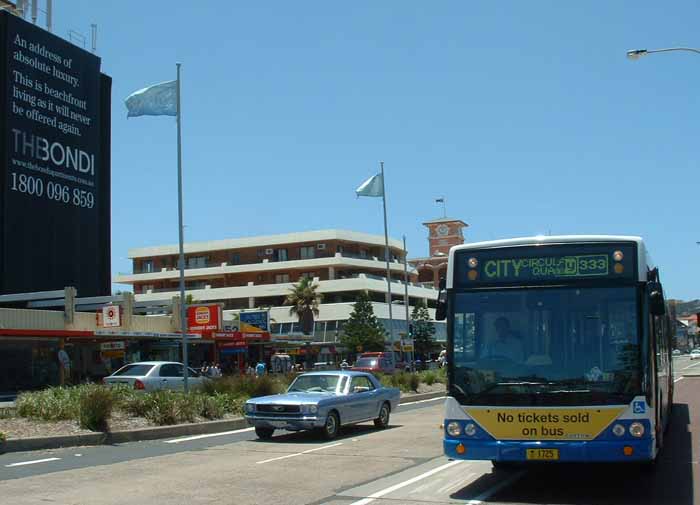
(259, 272)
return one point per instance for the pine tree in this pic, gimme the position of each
(423, 330)
(362, 331)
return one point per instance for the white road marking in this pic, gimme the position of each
(678, 379)
(23, 463)
(208, 435)
(422, 401)
(479, 500)
(405, 483)
(298, 453)
(689, 366)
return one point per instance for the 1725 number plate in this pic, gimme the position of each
(542, 454)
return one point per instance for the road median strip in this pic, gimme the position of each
(154, 433)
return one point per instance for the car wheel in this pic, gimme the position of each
(264, 433)
(331, 427)
(383, 420)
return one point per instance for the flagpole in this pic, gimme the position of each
(386, 256)
(183, 308)
(405, 296)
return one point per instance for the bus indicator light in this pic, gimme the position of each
(619, 268)
(628, 450)
(473, 274)
(461, 449)
(618, 430)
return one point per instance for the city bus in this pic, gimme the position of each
(558, 350)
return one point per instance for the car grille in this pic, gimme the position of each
(278, 409)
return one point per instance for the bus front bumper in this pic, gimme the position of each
(603, 450)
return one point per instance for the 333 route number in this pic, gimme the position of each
(55, 191)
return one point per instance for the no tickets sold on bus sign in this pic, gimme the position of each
(544, 424)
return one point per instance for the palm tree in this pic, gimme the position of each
(304, 300)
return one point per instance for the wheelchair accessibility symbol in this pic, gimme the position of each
(639, 407)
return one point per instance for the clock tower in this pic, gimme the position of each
(443, 234)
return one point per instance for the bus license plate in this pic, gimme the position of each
(543, 454)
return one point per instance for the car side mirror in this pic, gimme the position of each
(441, 308)
(657, 307)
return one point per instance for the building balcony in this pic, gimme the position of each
(336, 261)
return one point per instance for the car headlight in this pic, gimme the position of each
(249, 407)
(309, 409)
(618, 430)
(454, 429)
(470, 429)
(636, 429)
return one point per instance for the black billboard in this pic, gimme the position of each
(55, 167)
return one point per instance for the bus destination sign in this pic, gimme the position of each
(551, 263)
(546, 267)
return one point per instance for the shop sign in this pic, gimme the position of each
(204, 318)
(112, 346)
(111, 316)
(236, 343)
(254, 321)
(112, 354)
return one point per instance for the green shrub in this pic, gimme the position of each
(52, 404)
(430, 377)
(3, 437)
(442, 375)
(413, 381)
(96, 404)
(213, 407)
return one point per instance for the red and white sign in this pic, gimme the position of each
(204, 318)
(237, 335)
(111, 316)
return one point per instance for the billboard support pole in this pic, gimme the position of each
(183, 307)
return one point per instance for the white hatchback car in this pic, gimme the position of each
(153, 375)
(695, 354)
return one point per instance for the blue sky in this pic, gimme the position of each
(526, 116)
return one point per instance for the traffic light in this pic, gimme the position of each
(410, 330)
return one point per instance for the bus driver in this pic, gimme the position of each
(506, 344)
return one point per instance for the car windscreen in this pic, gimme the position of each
(134, 370)
(366, 362)
(314, 384)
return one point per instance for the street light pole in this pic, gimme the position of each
(635, 54)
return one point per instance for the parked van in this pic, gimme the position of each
(373, 362)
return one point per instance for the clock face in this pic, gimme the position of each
(442, 230)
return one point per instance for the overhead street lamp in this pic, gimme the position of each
(635, 54)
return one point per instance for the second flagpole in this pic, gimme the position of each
(183, 307)
(386, 255)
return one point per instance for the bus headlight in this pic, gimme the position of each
(618, 430)
(636, 429)
(470, 429)
(454, 429)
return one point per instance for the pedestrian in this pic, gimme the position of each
(260, 369)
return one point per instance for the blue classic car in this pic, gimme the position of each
(324, 401)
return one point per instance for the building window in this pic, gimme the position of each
(235, 258)
(281, 278)
(363, 253)
(262, 277)
(147, 266)
(307, 275)
(281, 255)
(197, 262)
(306, 253)
(147, 287)
(339, 249)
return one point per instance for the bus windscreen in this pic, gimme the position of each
(546, 264)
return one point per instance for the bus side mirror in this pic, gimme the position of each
(441, 308)
(657, 307)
